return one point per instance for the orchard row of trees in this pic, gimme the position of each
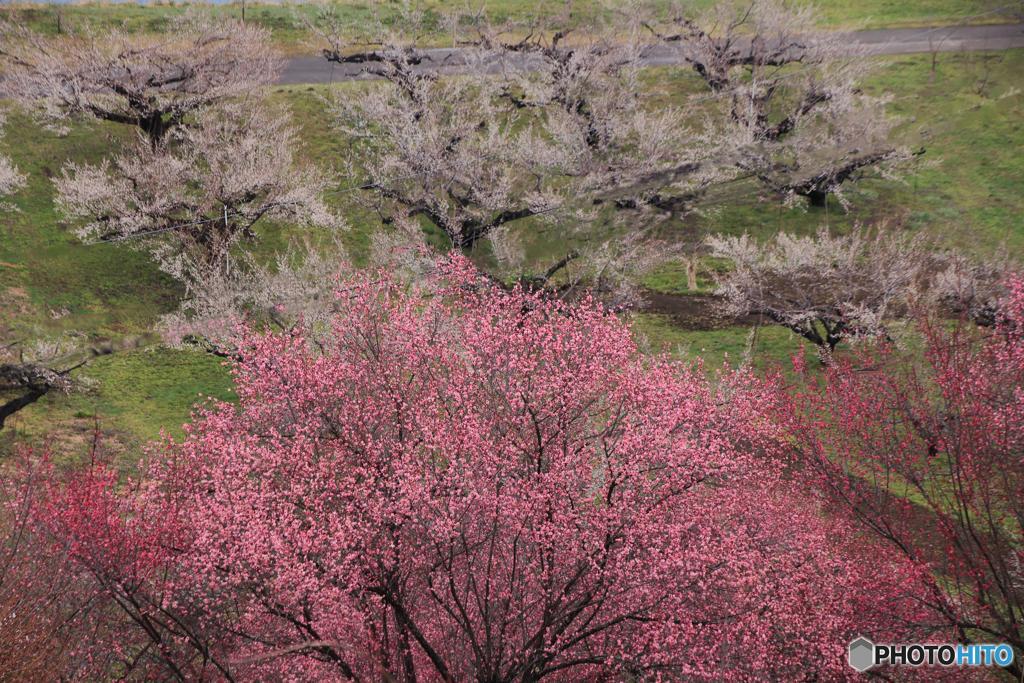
(543, 124)
(471, 483)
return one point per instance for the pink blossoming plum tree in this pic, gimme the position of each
(480, 485)
(35, 586)
(928, 460)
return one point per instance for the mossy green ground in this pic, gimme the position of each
(288, 20)
(967, 114)
(131, 397)
(767, 346)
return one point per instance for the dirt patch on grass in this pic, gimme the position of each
(16, 305)
(693, 311)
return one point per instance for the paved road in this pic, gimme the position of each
(893, 41)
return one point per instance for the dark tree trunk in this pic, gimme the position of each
(15, 404)
(155, 129)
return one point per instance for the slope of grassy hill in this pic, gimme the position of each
(967, 113)
(288, 20)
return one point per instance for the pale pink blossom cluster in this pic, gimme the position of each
(211, 158)
(201, 193)
(10, 178)
(824, 287)
(148, 81)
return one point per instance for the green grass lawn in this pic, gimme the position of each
(287, 20)
(131, 397)
(967, 114)
(765, 346)
(107, 291)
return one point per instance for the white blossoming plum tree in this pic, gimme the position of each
(151, 82)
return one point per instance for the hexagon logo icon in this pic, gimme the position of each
(862, 654)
